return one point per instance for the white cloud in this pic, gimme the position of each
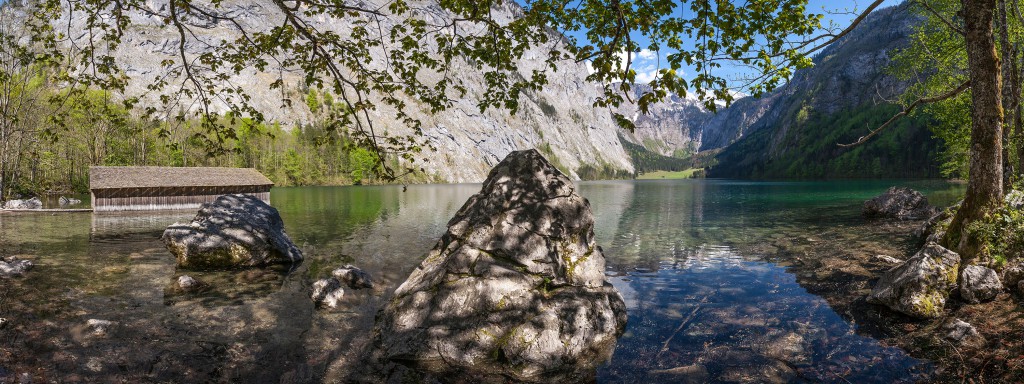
(647, 54)
(645, 63)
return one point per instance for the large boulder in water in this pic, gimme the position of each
(920, 286)
(515, 289)
(899, 203)
(32, 203)
(232, 231)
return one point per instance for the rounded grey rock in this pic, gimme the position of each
(978, 283)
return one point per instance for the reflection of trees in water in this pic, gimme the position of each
(662, 222)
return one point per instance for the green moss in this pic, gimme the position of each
(931, 305)
(498, 353)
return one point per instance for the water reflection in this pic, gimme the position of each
(686, 255)
(704, 306)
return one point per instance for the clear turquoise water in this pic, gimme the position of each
(701, 264)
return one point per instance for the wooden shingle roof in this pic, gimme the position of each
(155, 177)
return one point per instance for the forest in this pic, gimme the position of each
(44, 154)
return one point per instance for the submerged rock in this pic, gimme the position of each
(920, 286)
(232, 231)
(899, 203)
(887, 259)
(978, 283)
(515, 289)
(98, 327)
(327, 292)
(66, 201)
(686, 374)
(190, 284)
(32, 203)
(353, 277)
(13, 266)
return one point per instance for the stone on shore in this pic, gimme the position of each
(32, 203)
(514, 290)
(920, 286)
(962, 333)
(899, 203)
(978, 283)
(1013, 276)
(232, 231)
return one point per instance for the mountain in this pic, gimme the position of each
(793, 132)
(845, 94)
(559, 119)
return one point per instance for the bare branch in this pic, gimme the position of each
(944, 20)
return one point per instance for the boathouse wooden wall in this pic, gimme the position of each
(161, 198)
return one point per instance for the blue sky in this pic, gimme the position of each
(838, 13)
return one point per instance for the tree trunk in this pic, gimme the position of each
(1011, 92)
(985, 184)
(1018, 121)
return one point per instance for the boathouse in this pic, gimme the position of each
(158, 188)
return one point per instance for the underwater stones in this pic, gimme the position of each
(886, 259)
(189, 284)
(686, 374)
(98, 327)
(788, 347)
(899, 203)
(232, 231)
(353, 277)
(32, 203)
(515, 289)
(13, 266)
(978, 283)
(327, 293)
(920, 286)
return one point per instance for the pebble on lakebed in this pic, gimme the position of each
(327, 293)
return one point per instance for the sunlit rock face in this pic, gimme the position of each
(515, 288)
(232, 231)
(920, 286)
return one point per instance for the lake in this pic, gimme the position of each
(710, 271)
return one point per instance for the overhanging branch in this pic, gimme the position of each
(907, 110)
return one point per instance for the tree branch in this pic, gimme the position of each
(944, 20)
(907, 110)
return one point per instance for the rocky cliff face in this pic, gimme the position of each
(559, 119)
